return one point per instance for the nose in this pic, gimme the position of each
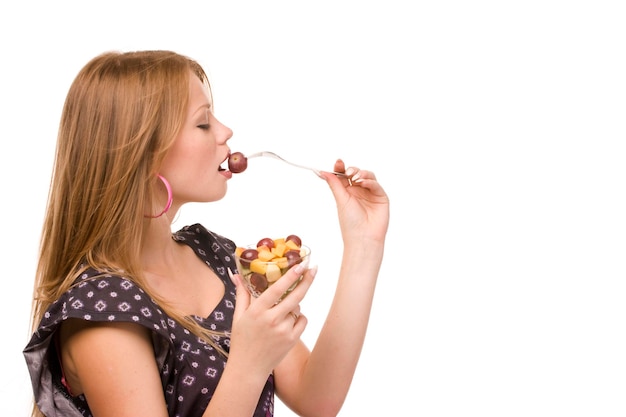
(225, 133)
(229, 132)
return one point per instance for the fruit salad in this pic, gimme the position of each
(261, 265)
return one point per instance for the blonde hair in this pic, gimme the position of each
(121, 115)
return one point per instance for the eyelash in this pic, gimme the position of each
(204, 127)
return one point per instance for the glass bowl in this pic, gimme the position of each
(261, 266)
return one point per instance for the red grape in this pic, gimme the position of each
(293, 257)
(237, 162)
(266, 241)
(248, 256)
(295, 239)
(258, 281)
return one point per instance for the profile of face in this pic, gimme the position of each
(193, 163)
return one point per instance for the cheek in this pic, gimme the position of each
(184, 154)
(191, 155)
(197, 163)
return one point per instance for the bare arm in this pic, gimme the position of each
(317, 384)
(113, 364)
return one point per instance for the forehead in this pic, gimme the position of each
(199, 94)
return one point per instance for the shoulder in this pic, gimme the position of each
(102, 297)
(109, 305)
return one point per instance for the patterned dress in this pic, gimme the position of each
(190, 369)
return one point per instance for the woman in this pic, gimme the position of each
(132, 320)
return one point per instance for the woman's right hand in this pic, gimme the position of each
(263, 330)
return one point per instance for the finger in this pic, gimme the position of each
(307, 280)
(291, 301)
(232, 276)
(295, 316)
(368, 181)
(243, 296)
(295, 313)
(338, 185)
(297, 321)
(272, 295)
(340, 166)
(300, 324)
(297, 310)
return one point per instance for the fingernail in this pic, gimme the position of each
(349, 171)
(232, 276)
(302, 266)
(313, 270)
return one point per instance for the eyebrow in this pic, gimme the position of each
(206, 106)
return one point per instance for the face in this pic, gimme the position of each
(192, 165)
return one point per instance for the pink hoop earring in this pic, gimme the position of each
(170, 198)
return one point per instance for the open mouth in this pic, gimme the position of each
(224, 165)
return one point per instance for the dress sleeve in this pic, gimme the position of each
(95, 298)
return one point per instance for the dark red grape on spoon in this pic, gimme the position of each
(237, 162)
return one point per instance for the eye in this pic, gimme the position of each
(204, 126)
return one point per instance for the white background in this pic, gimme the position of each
(497, 128)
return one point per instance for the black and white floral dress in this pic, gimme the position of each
(190, 369)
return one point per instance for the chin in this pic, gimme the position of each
(216, 194)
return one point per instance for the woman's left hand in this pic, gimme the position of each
(362, 203)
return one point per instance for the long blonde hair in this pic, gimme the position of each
(121, 115)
